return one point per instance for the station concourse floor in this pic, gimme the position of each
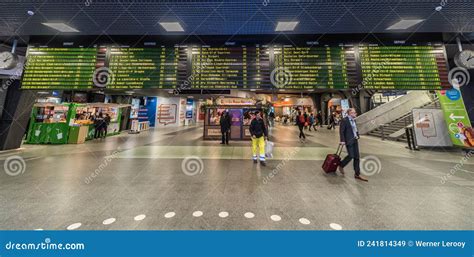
(171, 179)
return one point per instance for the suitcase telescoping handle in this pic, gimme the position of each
(339, 150)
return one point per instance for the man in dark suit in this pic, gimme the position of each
(225, 123)
(349, 136)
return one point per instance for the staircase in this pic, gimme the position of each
(392, 111)
(395, 130)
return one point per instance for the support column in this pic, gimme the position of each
(363, 102)
(15, 116)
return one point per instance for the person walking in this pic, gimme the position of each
(106, 124)
(319, 119)
(349, 136)
(225, 123)
(259, 134)
(332, 121)
(300, 121)
(312, 122)
(306, 118)
(271, 119)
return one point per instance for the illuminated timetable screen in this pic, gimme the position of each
(251, 66)
(403, 67)
(59, 68)
(312, 67)
(143, 67)
(230, 67)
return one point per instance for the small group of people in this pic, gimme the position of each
(348, 134)
(307, 122)
(258, 132)
(100, 125)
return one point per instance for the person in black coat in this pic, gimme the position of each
(258, 131)
(225, 123)
(99, 125)
(349, 136)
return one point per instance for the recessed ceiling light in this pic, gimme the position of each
(404, 24)
(31, 13)
(172, 26)
(60, 26)
(439, 8)
(286, 25)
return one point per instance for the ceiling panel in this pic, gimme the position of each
(96, 17)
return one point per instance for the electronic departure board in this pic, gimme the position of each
(230, 67)
(251, 66)
(59, 68)
(403, 67)
(311, 67)
(131, 67)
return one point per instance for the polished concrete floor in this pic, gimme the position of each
(167, 179)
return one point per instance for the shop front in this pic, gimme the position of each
(239, 110)
(72, 123)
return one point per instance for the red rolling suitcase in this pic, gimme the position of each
(332, 161)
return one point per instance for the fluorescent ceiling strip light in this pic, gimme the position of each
(61, 27)
(404, 24)
(172, 26)
(286, 25)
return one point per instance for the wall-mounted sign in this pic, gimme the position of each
(235, 101)
(456, 117)
(430, 128)
(345, 106)
(167, 113)
(189, 108)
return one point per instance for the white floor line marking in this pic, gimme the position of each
(108, 221)
(198, 213)
(335, 226)
(74, 226)
(249, 215)
(305, 221)
(275, 218)
(223, 214)
(140, 217)
(170, 215)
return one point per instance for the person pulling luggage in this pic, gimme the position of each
(259, 134)
(349, 136)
